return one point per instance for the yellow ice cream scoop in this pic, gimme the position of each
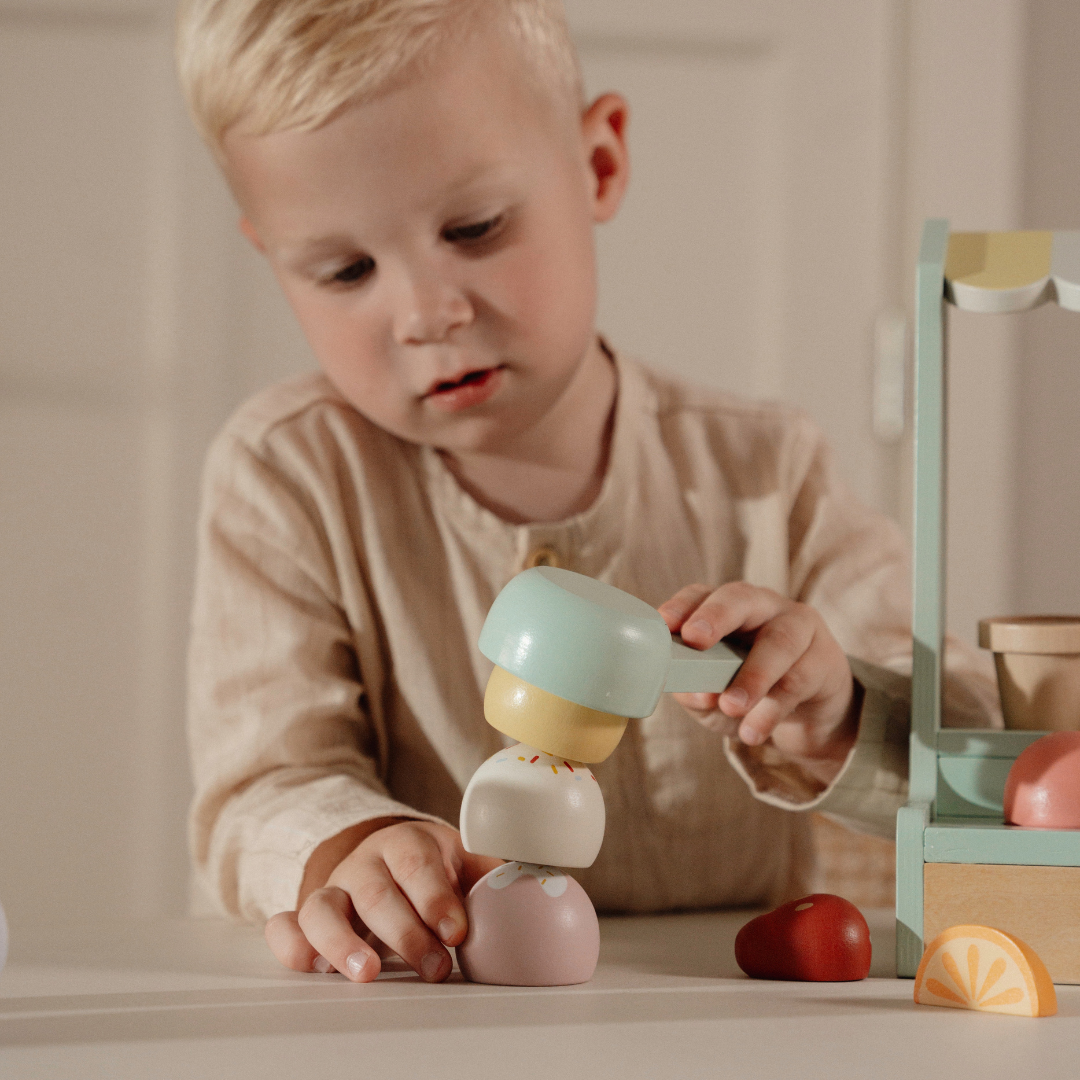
(552, 723)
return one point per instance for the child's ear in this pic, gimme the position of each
(603, 130)
(249, 231)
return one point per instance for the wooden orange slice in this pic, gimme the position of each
(978, 967)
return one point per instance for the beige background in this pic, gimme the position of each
(785, 154)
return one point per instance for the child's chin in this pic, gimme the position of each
(484, 435)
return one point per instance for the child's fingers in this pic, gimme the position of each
(798, 684)
(288, 944)
(704, 707)
(417, 863)
(777, 655)
(686, 600)
(400, 884)
(732, 607)
(388, 913)
(794, 661)
(326, 922)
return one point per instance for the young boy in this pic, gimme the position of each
(424, 178)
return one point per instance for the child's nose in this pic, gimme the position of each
(429, 308)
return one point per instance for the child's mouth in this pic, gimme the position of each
(470, 389)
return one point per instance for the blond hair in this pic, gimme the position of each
(294, 64)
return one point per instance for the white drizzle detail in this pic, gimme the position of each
(552, 881)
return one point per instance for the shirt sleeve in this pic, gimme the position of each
(284, 751)
(853, 566)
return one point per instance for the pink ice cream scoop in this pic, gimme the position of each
(1042, 790)
(529, 925)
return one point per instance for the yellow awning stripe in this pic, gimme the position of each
(1012, 271)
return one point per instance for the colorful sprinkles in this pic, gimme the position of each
(578, 773)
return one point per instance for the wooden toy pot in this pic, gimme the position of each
(1038, 669)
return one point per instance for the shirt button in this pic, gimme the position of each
(542, 556)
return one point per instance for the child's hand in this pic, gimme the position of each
(389, 885)
(795, 685)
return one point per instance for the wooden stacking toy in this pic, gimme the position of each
(575, 660)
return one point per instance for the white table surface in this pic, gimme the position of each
(205, 999)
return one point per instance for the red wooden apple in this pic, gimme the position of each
(820, 938)
(1043, 787)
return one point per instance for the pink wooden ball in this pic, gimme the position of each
(1043, 787)
(529, 926)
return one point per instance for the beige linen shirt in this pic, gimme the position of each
(343, 577)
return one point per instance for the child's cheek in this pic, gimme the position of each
(346, 343)
(551, 290)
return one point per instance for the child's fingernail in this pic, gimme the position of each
(356, 963)
(431, 965)
(447, 928)
(736, 698)
(322, 965)
(700, 626)
(750, 736)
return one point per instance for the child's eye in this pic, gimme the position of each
(477, 231)
(354, 271)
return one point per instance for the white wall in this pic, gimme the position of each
(133, 318)
(965, 147)
(1048, 378)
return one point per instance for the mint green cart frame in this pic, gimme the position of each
(954, 810)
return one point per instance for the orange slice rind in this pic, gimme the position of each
(978, 967)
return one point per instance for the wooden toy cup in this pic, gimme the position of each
(1038, 669)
